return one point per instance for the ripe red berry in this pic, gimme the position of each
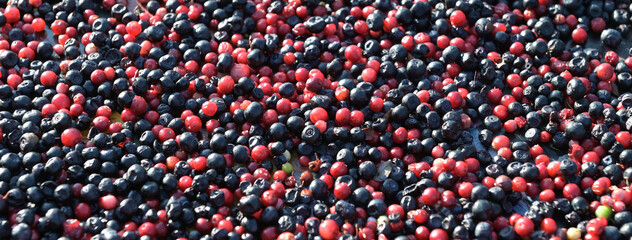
(342, 190)
(465, 189)
(101, 123)
(338, 169)
(127, 115)
(185, 182)
(269, 198)
(519, 184)
(457, 18)
(430, 196)
(38, 24)
(139, 105)
(455, 99)
(501, 112)
(579, 35)
(625, 138)
(571, 191)
(12, 14)
(166, 134)
(209, 108)
(548, 225)
(524, 226)
(82, 211)
(547, 195)
(369, 75)
(601, 186)
(516, 48)
(353, 53)
(500, 141)
(240, 70)
(494, 95)
(439, 234)
(400, 135)
(329, 229)
(376, 104)
(70, 137)
(604, 71)
(343, 117)
(357, 118)
(147, 229)
(284, 106)
(61, 101)
(133, 28)
(108, 202)
(260, 153)
(225, 85)
(98, 77)
(193, 123)
(317, 114)
(510, 126)
(422, 232)
(514, 80)
(48, 78)
(104, 111)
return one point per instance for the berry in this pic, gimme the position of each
(108, 202)
(193, 123)
(604, 71)
(209, 108)
(524, 226)
(342, 191)
(70, 137)
(579, 35)
(457, 18)
(390, 122)
(318, 114)
(603, 211)
(328, 229)
(260, 153)
(353, 53)
(12, 14)
(48, 78)
(147, 229)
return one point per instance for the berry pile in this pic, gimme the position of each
(315, 119)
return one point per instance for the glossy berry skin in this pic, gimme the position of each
(579, 35)
(328, 229)
(260, 153)
(165, 134)
(353, 53)
(342, 191)
(193, 123)
(82, 211)
(524, 226)
(439, 234)
(318, 114)
(70, 137)
(108, 202)
(604, 71)
(186, 119)
(549, 225)
(147, 229)
(209, 108)
(500, 142)
(48, 78)
(430, 196)
(12, 14)
(457, 18)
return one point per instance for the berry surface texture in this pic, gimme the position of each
(315, 119)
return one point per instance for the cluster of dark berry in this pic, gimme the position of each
(315, 119)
